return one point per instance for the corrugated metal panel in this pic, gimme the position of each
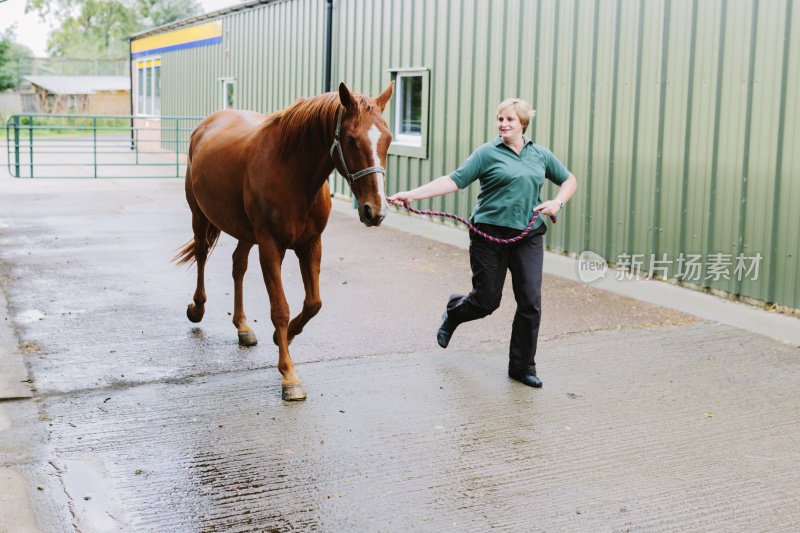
(784, 240)
(671, 113)
(676, 79)
(273, 51)
(674, 115)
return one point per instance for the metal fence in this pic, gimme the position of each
(97, 146)
(66, 66)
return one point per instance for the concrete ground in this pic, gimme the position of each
(662, 409)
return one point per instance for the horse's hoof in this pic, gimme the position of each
(247, 338)
(193, 315)
(292, 393)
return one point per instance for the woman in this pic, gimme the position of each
(511, 170)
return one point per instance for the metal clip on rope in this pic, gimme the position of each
(476, 230)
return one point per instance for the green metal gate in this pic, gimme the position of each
(97, 146)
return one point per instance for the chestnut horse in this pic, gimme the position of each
(263, 180)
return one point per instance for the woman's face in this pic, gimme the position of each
(508, 125)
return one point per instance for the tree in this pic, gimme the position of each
(159, 12)
(100, 28)
(10, 55)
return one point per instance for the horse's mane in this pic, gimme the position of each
(309, 119)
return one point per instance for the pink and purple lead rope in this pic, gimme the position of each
(476, 230)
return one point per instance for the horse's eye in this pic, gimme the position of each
(351, 141)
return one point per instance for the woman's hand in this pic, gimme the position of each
(565, 192)
(549, 208)
(400, 198)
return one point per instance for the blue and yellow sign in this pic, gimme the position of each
(191, 37)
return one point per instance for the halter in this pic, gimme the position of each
(337, 146)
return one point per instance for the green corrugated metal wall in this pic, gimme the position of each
(273, 51)
(674, 115)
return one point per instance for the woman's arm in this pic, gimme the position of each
(565, 192)
(437, 187)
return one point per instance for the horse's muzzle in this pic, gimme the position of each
(369, 216)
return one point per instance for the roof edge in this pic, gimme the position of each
(213, 14)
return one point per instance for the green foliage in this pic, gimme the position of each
(100, 28)
(49, 9)
(8, 72)
(10, 54)
(159, 12)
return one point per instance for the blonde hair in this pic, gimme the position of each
(521, 108)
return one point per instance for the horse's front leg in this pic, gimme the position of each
(309, 257)
(271, 257)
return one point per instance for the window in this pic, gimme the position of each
(409, 109)
(148, 86)
(409, 118)
(228, 93)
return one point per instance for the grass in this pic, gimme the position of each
(67, 126)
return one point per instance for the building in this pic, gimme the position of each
(94, 95)
(672, 114)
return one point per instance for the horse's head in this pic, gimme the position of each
(359, 150)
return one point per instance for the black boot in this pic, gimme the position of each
(445, 331)
(526, 378)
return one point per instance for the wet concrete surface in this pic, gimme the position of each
(138, 420)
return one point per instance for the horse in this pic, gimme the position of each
(263, 180)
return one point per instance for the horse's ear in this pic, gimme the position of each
(384, 97)
(345, 96)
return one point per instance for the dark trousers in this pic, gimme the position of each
(489, 262)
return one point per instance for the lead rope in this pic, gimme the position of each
(476, 230)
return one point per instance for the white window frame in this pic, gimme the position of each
(150, 105)
(228, 82)
(402, 143)
(401, 137)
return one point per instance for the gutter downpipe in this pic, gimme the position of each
(328, 60)
(328, 41)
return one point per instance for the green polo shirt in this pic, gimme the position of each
(510, 183)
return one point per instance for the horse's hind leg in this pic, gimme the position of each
(246, 335)
(204, 236)
(309, 257)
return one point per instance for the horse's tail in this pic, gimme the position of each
(188, 254)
